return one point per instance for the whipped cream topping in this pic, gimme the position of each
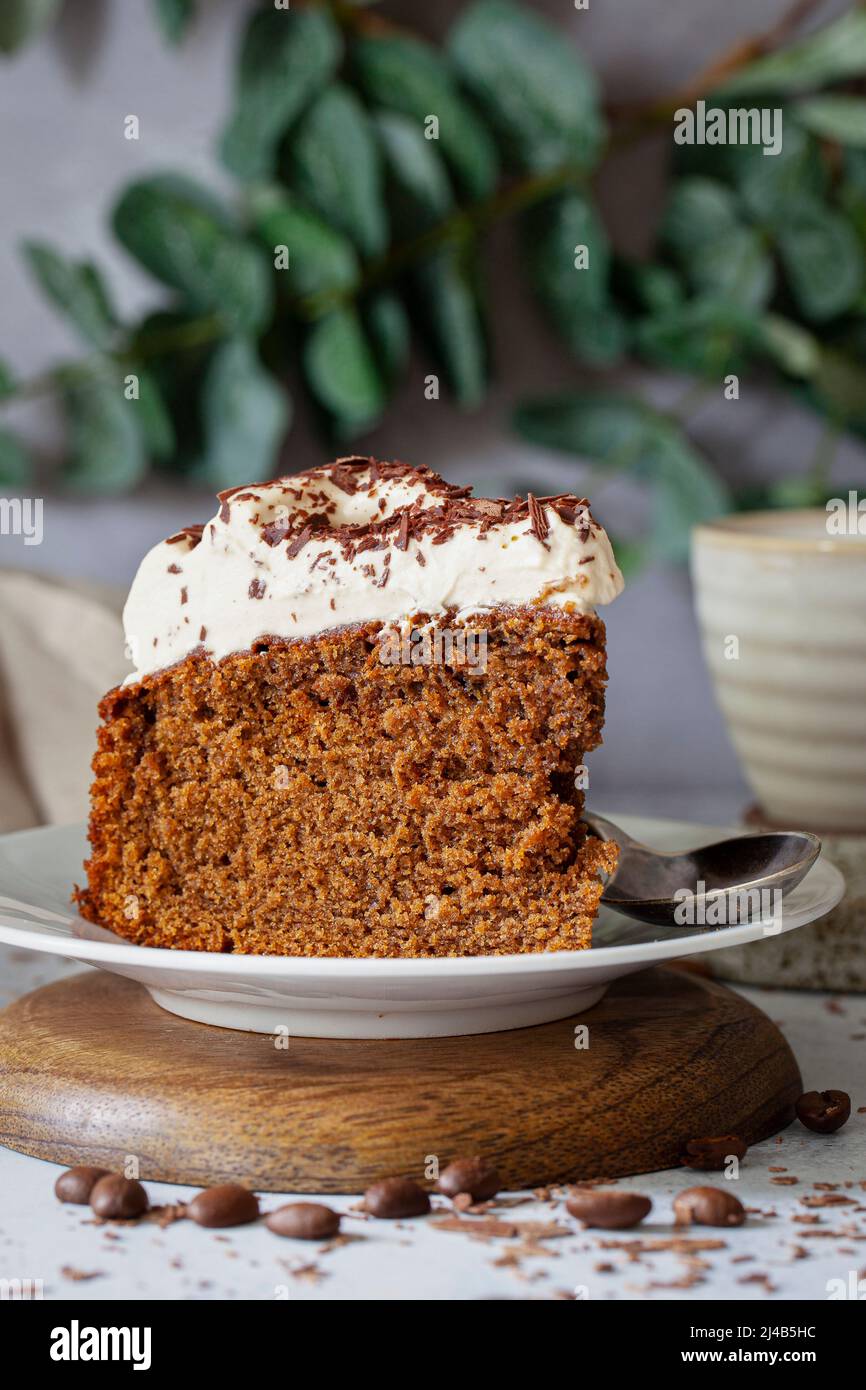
(358, 541)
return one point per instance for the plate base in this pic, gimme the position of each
(92, 1071)
(378, 1020)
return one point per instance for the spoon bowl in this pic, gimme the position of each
(740, 879)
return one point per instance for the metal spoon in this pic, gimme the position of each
(741, 879)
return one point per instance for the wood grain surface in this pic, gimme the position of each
(91, 1070)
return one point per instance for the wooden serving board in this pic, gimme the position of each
(91, 1070)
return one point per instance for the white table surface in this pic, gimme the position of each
(41, 1238)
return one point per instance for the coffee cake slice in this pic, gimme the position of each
(357, 725)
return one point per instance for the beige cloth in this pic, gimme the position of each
(61, 648)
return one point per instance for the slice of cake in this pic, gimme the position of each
(357, 724)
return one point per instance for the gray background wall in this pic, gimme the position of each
(63, 158)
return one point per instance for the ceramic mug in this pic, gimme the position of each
(781, 601)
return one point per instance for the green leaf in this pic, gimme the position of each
(22, 20)
(419, 190)
(608, 428)
(737, 268)
(178, 232)
(177, 354)
(650, 287)
(823, 260)
(387, 325)
(831, 54)
(76, 289)
(154, 421)
(835, 117)
(773, 186)
(851, 191)
(797, 492)
(404, 74)
(706, 336)
(699, 211)
(535, 88)
(106, 448)
(342, 373)
(245, 414)
(449, 319)
(288, 55)
(320, 260)
(174, 17)
(791, 347)
(7, 380)
(840, 388)
(720, 256)
(15, 463)
(575, 297)
(336, 167)
(685, 491)
(854, 171)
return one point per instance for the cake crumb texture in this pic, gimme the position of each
(304, 798)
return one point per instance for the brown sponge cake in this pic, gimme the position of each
(367, 788)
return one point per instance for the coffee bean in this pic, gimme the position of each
(824, 1111)
(606, 1208)
(711, 1155)
(227, 1204)
(119, 1198)
(304, 1221)
(393, 1198)
(708, 1206)
(471, 1175)
(76, 1184)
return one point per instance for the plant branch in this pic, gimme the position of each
(459, 227)
(738, 56)
(154, 343)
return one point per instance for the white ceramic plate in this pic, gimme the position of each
(370, 998)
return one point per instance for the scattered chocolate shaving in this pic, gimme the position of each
(187, 533)
(167, 1214)
(678, 1245)
(828, 1199)
(174, 569)
(244, 493)
(823, 1234)
(309, 1271)
(257, 588)
(80, 1275)
(299, 542)
(491, 1227)
(538, 523)
(763, 1279)
(686, 1281)
(454, 507)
